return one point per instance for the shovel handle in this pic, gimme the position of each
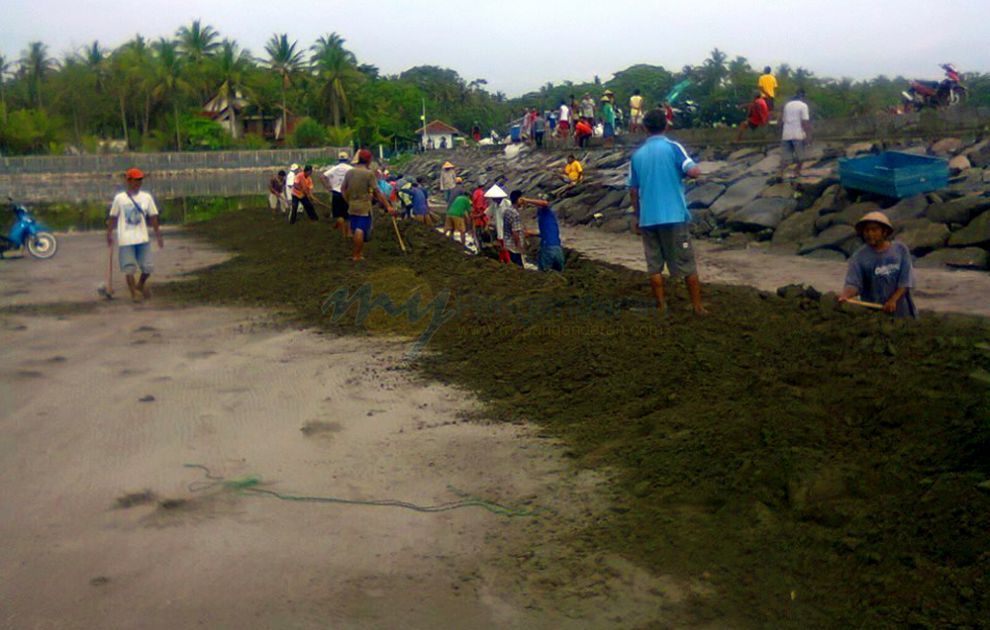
(872, 305)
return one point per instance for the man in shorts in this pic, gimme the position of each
(456, 219)
(635, 112)
(359, 188)
(130, 214)
(796, 134)
(332, 179)
(656, 173)
(276, 193)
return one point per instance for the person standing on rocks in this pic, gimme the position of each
(359, 188)
(512, 229)
(757, 115)
(130, 214)
(768, 86)
(796, 134)
(635, 112)
(563, 119)
(332, 179)
(661, 216)
(608, 122)
(587, 106)
(448, 179)
(881, 272)
(500, 204)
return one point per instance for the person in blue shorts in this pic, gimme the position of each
(359, 188)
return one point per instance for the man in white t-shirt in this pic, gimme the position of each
(333, 179)
(796, 133)
(290, 180)
(130, 214)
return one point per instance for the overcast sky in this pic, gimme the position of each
(518, 45)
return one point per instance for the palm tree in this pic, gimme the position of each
(36, 63)
(285, 61)
(4, 71)
(168, 78)
(232, 66)
(197, 42)
(336, 68)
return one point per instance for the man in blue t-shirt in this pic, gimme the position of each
(551, 256)
(880, 272)
(656, 173)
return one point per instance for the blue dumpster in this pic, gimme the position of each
(894, 174)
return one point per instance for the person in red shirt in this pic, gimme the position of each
(582, 131)
(302, 193)
(757, 115)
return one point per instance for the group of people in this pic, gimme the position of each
(880, 272)
(580, 120)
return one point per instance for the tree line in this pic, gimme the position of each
(150, 95)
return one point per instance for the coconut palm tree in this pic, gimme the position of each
(169, 80)
(36, 64)
(197, 42)
(336, 69)
(285, 61)
(231, 65)
(4, 71)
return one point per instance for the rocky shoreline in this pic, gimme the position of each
(739, 202)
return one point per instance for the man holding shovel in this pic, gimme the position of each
(130, 214)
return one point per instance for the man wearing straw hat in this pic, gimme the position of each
(448, 179)
(880, 272)
(496, 213)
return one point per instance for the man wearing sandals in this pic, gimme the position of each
(130, 214)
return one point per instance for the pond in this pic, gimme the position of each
(81, 202)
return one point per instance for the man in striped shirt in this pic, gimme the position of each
(656, 174)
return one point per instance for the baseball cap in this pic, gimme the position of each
(343, 156)
(134, 173)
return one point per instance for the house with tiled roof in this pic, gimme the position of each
(438, 135)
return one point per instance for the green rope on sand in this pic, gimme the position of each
(250, 484)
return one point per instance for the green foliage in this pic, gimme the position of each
(308, 133)
(29, 131)
(203, 134)
(339, 136)
(251, 142)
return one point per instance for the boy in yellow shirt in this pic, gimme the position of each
(573, 171)
(768, 86)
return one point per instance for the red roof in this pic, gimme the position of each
(437, 127)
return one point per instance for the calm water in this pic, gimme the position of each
(81, 203)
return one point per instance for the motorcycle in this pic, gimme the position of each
(935, 94)
(27, 232)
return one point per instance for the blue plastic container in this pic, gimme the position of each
(894, 174)
(515, 133)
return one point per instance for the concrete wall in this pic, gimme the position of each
(158, 162)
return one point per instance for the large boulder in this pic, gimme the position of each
(979, 154)
(848, 216)
(738, 195)
(907, 208)
(959, 163)
(958, 210)
(947, 146)
(741, 154)
(782, 190)
(922, 236)
(704, 195)
(798, 227)
(831, 200)
(827, 254)
(837, 237)
(976, 233)
(858, 148)
(611, 199)
(763, 213)
(960, 258)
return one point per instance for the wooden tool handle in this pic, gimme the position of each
(873, 305)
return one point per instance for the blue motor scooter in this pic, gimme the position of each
(26, 232)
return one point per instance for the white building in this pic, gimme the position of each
(438, 135)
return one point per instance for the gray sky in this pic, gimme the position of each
(518, 45)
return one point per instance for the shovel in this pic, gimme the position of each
(870, 305)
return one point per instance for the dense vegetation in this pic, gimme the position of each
(151, 94)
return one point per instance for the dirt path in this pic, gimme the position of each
(107, 405)
(938, 290)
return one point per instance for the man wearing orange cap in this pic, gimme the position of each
(130, 214)
(880, 272)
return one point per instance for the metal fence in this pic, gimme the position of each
(152, 162)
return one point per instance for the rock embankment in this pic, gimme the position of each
(738, 200)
